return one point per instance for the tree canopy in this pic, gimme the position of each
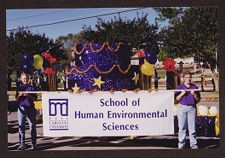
(192, 32)
(24, 41)
(133, 32)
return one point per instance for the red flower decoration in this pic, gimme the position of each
(141, 53)
(49, 57)
(169, 64)
(46, 55)
(49, 71)
(52, 60)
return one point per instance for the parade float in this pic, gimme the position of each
(106, 67)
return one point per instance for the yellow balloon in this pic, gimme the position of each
(38, 61)
(147, 68)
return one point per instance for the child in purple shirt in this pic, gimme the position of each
(26, 109)
(187, 99)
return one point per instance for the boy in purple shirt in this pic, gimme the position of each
(26, 108)
(187, 99)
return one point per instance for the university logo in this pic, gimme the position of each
(58, 107)
(58, 114)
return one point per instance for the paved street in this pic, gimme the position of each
(98, 143)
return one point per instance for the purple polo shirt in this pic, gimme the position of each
(188, 98)
(26, 101)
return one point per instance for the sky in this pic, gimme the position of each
(26, 17)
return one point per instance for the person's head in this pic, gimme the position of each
(24, 77)
(187, 77)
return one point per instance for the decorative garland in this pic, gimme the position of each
(114, 50)
(79, 52)
(126, 71)
(99, 50)
(99, 71)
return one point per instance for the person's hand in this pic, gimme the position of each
(22, 94)
(193, 92)
(183, 92)
(25, 94)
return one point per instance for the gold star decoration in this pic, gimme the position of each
(87, 51)
(75, 88)
(136, 77)
(98, 81)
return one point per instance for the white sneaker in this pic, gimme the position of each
(194, 147)
(34, 147)
(21, 147)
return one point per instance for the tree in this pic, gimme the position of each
(68, 42)
(23, 40)
(192, 32)
(169, 13)
(135, 32)
(195, 33)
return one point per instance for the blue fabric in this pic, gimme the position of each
(30, 112)
(26, 100)
(186, 120)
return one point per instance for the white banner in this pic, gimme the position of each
(105, 114)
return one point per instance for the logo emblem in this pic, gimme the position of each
(58, 114)
(58, 107)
